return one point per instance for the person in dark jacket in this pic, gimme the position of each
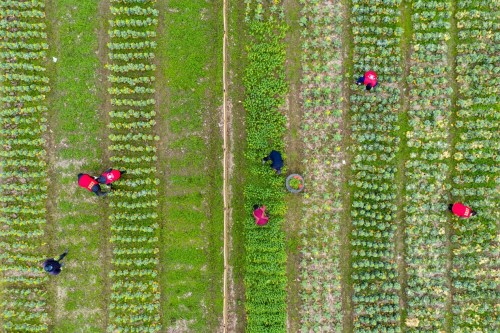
(460, 210)
(53, 266)
(369, 80)
(276, 159)
(90, 183)
(109, 176)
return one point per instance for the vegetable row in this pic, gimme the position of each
(23, 187)
(475, 178)
(320, 289)
(375, 299)
(265, 86)
(135, 296)
(427, 168)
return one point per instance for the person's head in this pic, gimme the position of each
(80, 175)
(48, 268)
(473, 213)
(255, 207)
(101, 179)
(369, 86)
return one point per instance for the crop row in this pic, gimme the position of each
(427, 168)
(376, 46)
(264, 80)
(135, 297)
(475, 181)
(23, 188)
(321, 131)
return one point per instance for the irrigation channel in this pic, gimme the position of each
(368, 246)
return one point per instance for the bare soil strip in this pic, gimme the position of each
(235, 56)
(294, 157)
(403, 156)
(347, 197)
(225, 166)
(452, 53)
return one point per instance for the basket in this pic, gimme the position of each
(294, 183)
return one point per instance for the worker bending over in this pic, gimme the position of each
(460, 210)
(260, 215)
(90, 183)
(369, 80)
(110, 175)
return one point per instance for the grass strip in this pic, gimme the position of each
(79, 295)
(190, 65)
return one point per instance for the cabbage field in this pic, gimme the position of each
(188, 96)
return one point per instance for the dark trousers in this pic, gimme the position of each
(61, 257)
(97, 190)
(361, 80)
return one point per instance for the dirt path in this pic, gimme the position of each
(105, 107)
(225, 166)
(403, 156)
(346, 225)
(452, 141)
(236, 321)
(294, 157)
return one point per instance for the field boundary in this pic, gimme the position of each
(225, 161)
(345, 224)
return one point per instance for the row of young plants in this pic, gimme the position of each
(23, 169)
(135, 296)
(320, 292)
(376, 46)
(475, 178)
(265, 252)
(426, 170)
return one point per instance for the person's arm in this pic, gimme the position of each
(109, 170)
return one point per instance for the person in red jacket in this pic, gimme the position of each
(110, 175)
(369, 80)
(90, 183)
(460, 210)
(260, 215)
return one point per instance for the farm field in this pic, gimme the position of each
(188, 96)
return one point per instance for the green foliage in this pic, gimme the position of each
(134, 229)
(265, 270)
(320, 289)
(375, 133)
(23, 189)
(426, 190)
(475, 181)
